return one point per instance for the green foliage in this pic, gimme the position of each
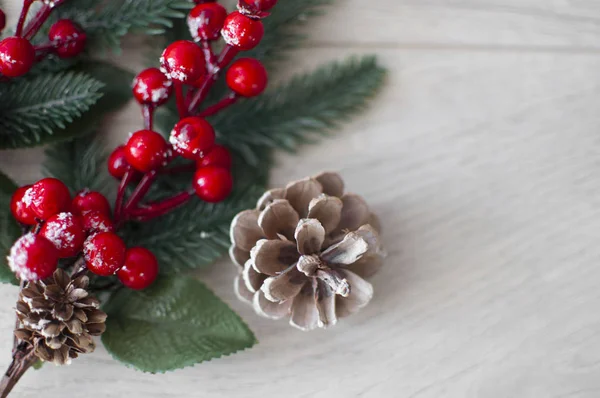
(9, 229)
(178, 322)
(31, 110)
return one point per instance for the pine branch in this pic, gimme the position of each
(32, 110)
(308, 105)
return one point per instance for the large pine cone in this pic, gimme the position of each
(59, 318)
(305, 251)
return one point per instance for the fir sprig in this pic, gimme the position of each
(33, 109)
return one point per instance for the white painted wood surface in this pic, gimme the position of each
(482, 155)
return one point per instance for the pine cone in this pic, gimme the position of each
(304, 252)
(59, 318)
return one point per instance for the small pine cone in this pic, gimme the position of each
(58, 317)
(305, 251)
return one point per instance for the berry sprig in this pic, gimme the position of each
(18, 55)
(58, 227)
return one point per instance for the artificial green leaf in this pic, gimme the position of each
(177, 322)
(308, 105)
(9, 229)
(32, 110)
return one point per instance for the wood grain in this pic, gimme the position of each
(482, 156)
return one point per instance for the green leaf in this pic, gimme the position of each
(308, 105)
(31, 111)
(9, 229)
(177, 322)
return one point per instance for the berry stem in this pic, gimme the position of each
(227, 55)
(140, 191)
(158, 209)
(36, 23)
(121, 193)
(209, 55)
(24, 11)
(224, 103)
(148, 114)
(180, 98)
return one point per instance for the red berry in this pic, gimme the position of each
(95, 221)
(2, 20)
(20, 206)
(140, 269)
(146, 150)
(213, 184)
(16, 56)
(247, 77)
(68, 38)
(192, 137)
(183, 61)
(257, 5)
(65, 232)
(32, 257)
(117, 163)
(49, 197)
(152, 87)
(86, 201)
(206, 20)
(218, 156)
(104, 253)
(242, 32)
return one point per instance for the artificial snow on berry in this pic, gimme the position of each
(96, 221)
(68, 37)
(183, 61)
(218, 156)
(20, 206)
(16, 56)
(152, 87)
(117, 163)
(86, 201)
(104, 253)
(49, 196)
(192, 137)
(140, 269)
(242, 32)
(206, 20)
(146, 150)
(33, 257)
(65, 232)
(212, 184)
(247, 77)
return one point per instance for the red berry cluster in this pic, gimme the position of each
(62, 227)
(17, 53)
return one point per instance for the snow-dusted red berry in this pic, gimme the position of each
(218, 156)
(2, 20)
(86, 201)
(192, 137)
(104, 253)
(247, 77)
(95, 221)
(68, 38)
(49, 196)
(183, 61)
(16, 56)
(140, 269)
(117, 163)
(212, 184)
(152, 87)
(65, 232)
(242, 32)
(206, 20)
(20, 206)
(33, 257)
(146, 150)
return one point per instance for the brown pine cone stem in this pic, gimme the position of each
(23, 359)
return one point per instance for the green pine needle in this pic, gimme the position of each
(31, 110)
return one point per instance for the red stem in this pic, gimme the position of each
(140, 191)
(48, 46)
(121, 193)
(34, 26)
(226, 56)
(161, 208)
(209, 55)
(219, 106)
(24, 11)
(148, 114)
(181, 108)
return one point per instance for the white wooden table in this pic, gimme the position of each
(482, 155)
